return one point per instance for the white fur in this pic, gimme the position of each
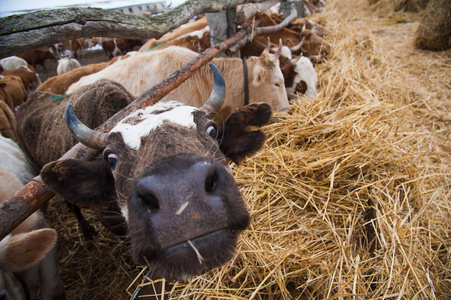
(15, 161)
(198, 33)
(141, 72)
(67, 64)
(177, 113)
(306, 72)
(13, 62)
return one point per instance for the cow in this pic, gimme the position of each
(146, 69)
(182, 30)
(37, 57)
(12, 90)
(30, 78)
(166, 166)
(58, 85)
(67, 64)
(311, 45)
(40, 136)
(117, 47)
(29, 250)
(300, 37)
(300, 77)
(298, 73)
(314, 6)
(7, 121)
(300, 25)
(12, 62)
(76, 45)
(197, 41)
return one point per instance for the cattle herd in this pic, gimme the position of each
(160, 177)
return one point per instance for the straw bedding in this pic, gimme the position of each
(350, 196)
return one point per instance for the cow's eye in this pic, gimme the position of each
(211, 131)
(111, 158)
(278, 84)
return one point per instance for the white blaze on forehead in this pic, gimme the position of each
(140, 123)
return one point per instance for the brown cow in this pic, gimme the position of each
(37, 117)
(117, 47)
(197, 41)
(37, 57)
(166, 167)
(184, 29)
(59, 84)
(76, 45)
(28, 74)
(311, 45)
(7, 122)
(12, 90)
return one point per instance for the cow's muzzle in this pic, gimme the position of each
(189, 209)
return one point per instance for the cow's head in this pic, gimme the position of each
(311, 44)
(166, 166)
(300, 77)
(267, 81)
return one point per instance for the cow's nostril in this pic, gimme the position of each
(211, 180)
(149, 202)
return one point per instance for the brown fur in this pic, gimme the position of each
(41, 120)
(76, 45)
(140, 72)
(37, 57)
(59, 84)
(7, 121)
(175, 165)
(176, 33)
(12, 91)
(28, 75)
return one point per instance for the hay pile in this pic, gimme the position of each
(434, 32)
(371, 149)
(368, 157)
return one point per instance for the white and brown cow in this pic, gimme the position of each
(166, 167)
(142, 71)
(29, 250)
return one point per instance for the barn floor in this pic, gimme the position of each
(102, 268)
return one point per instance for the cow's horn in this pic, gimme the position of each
(217, 95)
(276, 56)
(298, 46)
(268, 46)
(294, 61)
(82, 133)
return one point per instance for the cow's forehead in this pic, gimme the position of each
(143, 121)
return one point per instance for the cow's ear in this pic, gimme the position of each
(260, 73)
(84, 183)
(238, 139)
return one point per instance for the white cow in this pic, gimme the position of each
(30, 248)
(141, 72)
(67, 64)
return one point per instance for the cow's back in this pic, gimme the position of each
(59, 84)
(41, 127)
